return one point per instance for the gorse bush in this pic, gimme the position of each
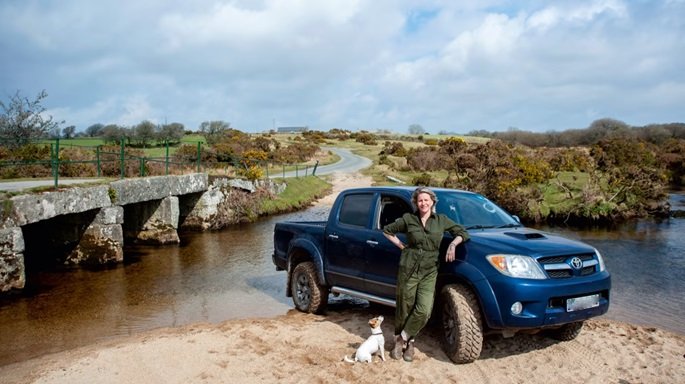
(625, 178)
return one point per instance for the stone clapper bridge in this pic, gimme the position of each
(88, 225)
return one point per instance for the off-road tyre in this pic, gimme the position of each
(567, 332)
(308, 295)
(462, 327)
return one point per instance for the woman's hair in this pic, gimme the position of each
(419, 190)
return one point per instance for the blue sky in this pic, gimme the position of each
(453, 66)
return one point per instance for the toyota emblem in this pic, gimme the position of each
(576, 263)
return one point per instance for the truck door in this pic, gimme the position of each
(383, 258)
(346, 241)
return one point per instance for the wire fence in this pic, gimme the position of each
(55, 160)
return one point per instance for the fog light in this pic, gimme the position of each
(516, 308)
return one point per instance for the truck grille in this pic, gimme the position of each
(561, 267)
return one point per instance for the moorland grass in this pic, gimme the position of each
(299, 193)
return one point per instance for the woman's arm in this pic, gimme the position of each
(395, 240)
(391, 229)
(460, 235)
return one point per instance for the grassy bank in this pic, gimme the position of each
(154, 149)
(299, 193)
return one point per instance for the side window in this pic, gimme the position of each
(355, 210)
(391, 209)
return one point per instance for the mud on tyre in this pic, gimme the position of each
(308, 295)
(462, 329)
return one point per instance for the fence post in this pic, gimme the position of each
(97, 156)
(315, 166)
(199, 154)
(52, 159)
(297, 175)
(121, 159)
(142, 166)
(55, 163)
(166, 161)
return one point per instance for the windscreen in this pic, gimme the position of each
(474, 211)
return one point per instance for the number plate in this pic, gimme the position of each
(580, 303)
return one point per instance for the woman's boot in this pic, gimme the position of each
(409, 351)
(397, 349)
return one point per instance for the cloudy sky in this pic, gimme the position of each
(452, 66)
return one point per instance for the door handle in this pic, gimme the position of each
(371, 242)
(335, 237)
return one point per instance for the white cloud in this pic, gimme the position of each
(348, 64)
(579, 13)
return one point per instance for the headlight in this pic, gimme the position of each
(521, 266)
(601, 260)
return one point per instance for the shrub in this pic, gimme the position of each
(424, 179)
(252, 172)
(426, 159)
(365, 138)
(110, 160)
(394, 148)
(629, 173)
(77, 162)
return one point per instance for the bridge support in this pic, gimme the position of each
(12, 270)
(153, 222)
(103, 240)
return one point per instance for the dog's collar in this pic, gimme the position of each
(379, 332)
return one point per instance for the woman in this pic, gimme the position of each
(419, 266)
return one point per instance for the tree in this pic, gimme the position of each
(145, 132)
(172, 133)
(68, 132)
(94, 130)
(214, 130)
(112, 133)
(416, 129)
(22, 120)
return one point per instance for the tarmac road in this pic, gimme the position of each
(349, 162)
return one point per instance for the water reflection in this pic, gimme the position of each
(647, 261)
(228, 274)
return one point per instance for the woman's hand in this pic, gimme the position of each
(452, 249)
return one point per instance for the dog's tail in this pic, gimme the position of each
(348, 359)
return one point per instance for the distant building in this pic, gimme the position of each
(291, 129)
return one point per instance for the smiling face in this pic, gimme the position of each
(424, 202)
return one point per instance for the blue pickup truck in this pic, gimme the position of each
(506, 279)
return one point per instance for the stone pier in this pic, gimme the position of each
(153, 222)
(11, 259)
(102, 242)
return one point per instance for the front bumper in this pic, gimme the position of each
(544, 301)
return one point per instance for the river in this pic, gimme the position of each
(228, 274)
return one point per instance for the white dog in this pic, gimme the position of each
(374, 344)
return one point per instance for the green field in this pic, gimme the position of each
(298, 194)
(155, 150)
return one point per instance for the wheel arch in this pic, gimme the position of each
(471, 277)
(301, 250)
